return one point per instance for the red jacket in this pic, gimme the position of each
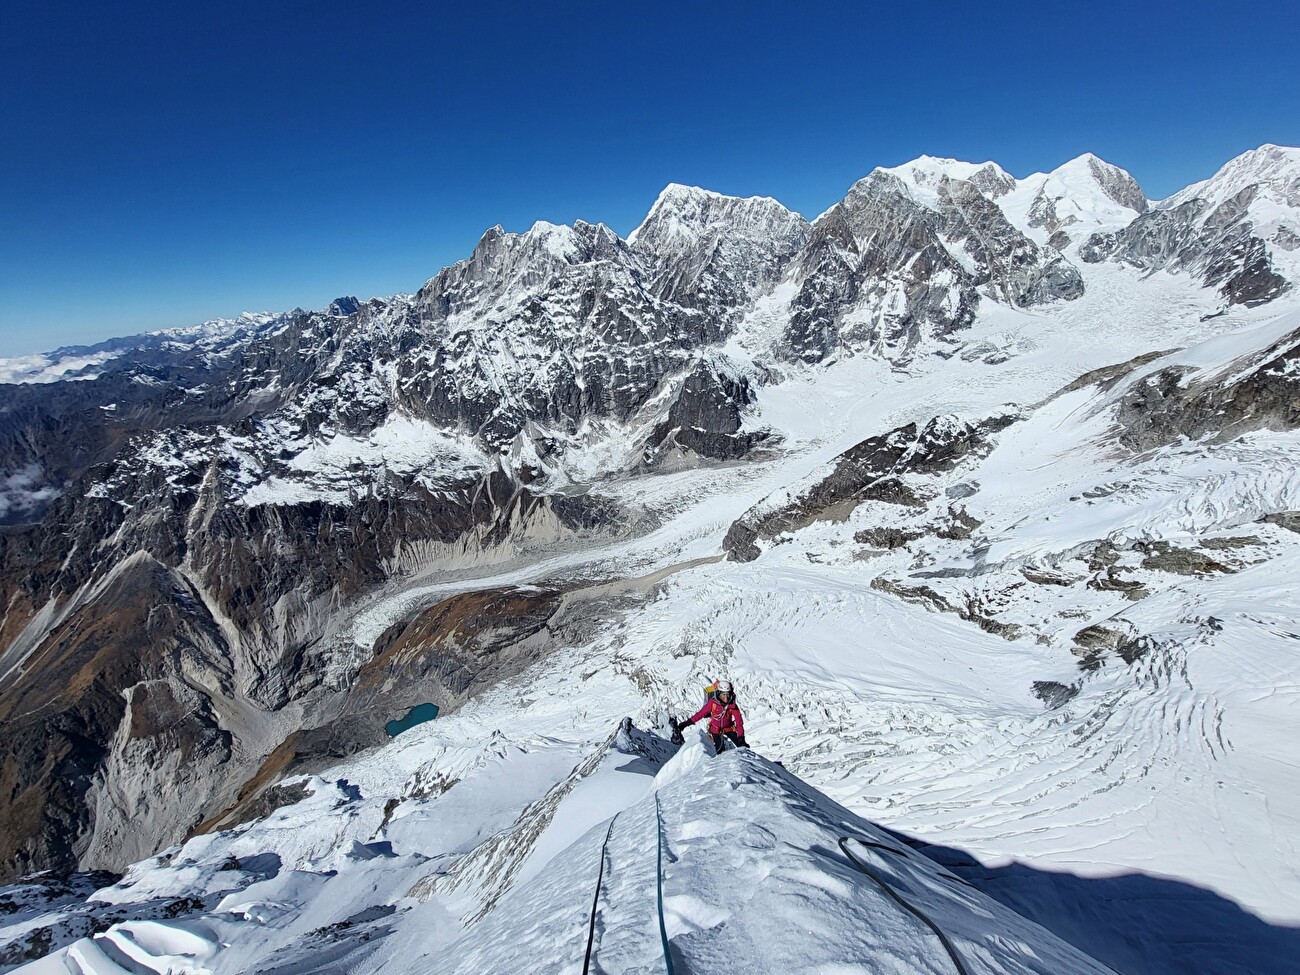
(722, 717)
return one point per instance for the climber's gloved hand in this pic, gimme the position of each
(741, 743)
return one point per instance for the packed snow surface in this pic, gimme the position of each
(729, 845)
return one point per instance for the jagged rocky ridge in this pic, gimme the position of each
(228, 502)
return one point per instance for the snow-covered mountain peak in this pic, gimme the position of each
(714, 253)
(501, 256)
(924, 175)
(1083, 196)
(1274, 169)
(686, 212)
(557, 240)
(1088, 172)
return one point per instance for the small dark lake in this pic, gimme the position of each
(417, 715)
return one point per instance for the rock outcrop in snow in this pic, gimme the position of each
(883, 468)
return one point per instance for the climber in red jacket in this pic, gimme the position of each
(725, 719)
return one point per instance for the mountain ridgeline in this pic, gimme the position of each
(193, 522)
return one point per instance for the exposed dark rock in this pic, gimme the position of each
(463, 643)
(1290, 520)
(960, 525)
(1231, 543)
(970, 608)
(1167, 557)
(1100, 637)
(706, 417)
(1110, 581)
(344, 307)
(1043, 577)
(893, 490)
(1176, 402)
(262, 804)
(1054, 695)
(887, 538)
(1108, 376)
(920, 595)
(1102, 557)
(1094, 643)
(873, 470)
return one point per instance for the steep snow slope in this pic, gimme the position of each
(749, 867)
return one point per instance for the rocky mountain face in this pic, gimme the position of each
(715, 254)
(193, 522)
(1235, 231)
(1056, 208)
(890, 266)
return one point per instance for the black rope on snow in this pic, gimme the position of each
(659, 872)
(881, 846)
(898, 899)
(595, 901)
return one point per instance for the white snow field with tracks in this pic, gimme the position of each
(1150, 818)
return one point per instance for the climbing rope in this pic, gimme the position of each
(663, 930)
(595, 900)
(898, 899)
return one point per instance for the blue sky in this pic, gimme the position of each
(167, 163)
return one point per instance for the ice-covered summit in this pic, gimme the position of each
(688, 211)
(1081, 197)
(1275, 170)
(924, 175)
